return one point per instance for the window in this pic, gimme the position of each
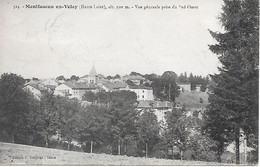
(143, 96)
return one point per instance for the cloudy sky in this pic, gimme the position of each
(51, 42)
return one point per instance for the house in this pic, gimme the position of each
(184, 87)
(136, 79)
(112, 86)
(197, 88)
(74, 89)
(35, 89)
(31, 81)
(49, 82)
(142, 92)
(158, 107)
(50, 88)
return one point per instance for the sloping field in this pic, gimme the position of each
(16, 154)
(192, 99)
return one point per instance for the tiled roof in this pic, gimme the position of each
(132, 77)
(155, 104)
(50, 86)
(139, 87)
(32, 82)
(37, 86)
(119, 84)
(114, 85)
(80, 85)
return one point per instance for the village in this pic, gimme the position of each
(94, 82)
(190, 100)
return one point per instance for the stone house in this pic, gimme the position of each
(74, 89)
(142, 92)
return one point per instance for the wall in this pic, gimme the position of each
(143, 94)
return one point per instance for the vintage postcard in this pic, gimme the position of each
(95, 82)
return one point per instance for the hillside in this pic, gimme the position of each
(16, 154)
(192, 100)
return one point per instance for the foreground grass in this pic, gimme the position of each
(16, 154)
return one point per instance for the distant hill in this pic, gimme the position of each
(192, 100)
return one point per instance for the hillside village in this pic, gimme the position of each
(94, 82)
(191, 97)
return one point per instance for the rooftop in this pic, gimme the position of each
(155, 104)
(79, 85)
(139, 87)
(114, 85)
(132, 77)
(36, 86)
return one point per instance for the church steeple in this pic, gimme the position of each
(93, 70)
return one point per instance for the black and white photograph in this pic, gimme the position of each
(129, 82)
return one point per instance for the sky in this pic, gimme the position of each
(47, 43)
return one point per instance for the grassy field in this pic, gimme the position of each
(16, 154)
(192, 99)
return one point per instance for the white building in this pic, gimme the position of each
(184, 87)
(142, 92)
(197, 88)
(35, 89)
(158, 107)
(74, 89)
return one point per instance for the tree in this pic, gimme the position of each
(74, 77)
(117, 76)
(91, 127)
(35, 79)
(109, 77)
(135, 73)
(67, 113)
(202, 147)
(130, 83)
(183, 78)
(118, 119)
(14, 109)
(47, 117)
(61, 78)
(165, 87)
(89, 96)
(234, 100)
(150, 77)
(122, 115)
(177, 129)
(203, 88)
(148, 132)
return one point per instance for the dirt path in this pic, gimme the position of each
(16, 154)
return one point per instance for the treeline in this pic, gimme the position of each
(111, 125)
(194, 80)
(183, 78)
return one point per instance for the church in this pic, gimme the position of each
(92, 77)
